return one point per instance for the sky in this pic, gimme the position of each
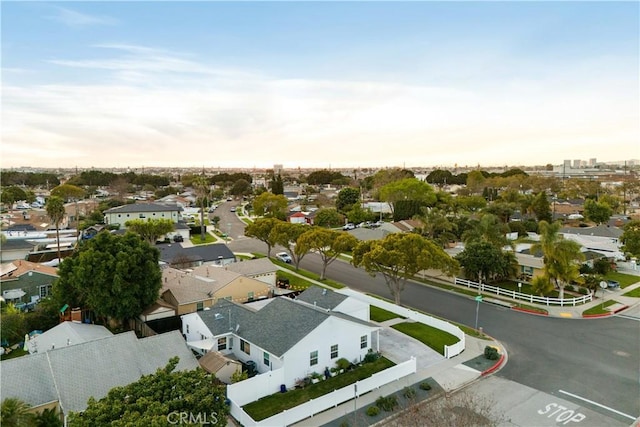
(318, 84)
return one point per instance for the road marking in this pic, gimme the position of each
(565, 315)
(624, 316)
(598, 404)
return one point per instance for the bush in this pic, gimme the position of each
(387, 404)
(491, 353)
(372, 411)
(425, 386)
(602, 266)
(569, 288)
(409, 392)
(343, 363)
(583, 291)
(371, 356)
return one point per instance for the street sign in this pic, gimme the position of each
(603, 284)
(479, 298)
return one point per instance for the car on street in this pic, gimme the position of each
(349, 226)
(284, 257)
(233, 208)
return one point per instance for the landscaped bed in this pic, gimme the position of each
(432, 337)
(600, 308)
(278, 402)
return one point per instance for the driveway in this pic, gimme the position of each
(399, 347)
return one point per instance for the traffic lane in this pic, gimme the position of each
(524, 406)
(598, 361)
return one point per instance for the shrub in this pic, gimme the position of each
(371, 356)
(583, 291)
(491, 353)
(343, 363)
(387, 404)
(409, 392)
(425, 386)
(569, 288)
(372, 411)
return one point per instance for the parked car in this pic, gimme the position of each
(284, 257)
(178, 238)
(349, 226)
(233, 208)
(613, 284)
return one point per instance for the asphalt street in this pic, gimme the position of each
(592, 363)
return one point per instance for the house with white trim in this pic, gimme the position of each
(143, 211)
(299, 337)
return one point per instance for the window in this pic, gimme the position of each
(245, 346)
(200, 306)
(230, 343)
(142, 216)
(363, 341)
(44, 290)
(222, 344)
(334, 351)
(187, 328)
(250, 296)
(313, 358)
(265, 358)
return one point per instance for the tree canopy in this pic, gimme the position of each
(159, 399)
(329, 244)
(597, 212)
(399, 257)
(263, 229)
(347, 198)
(150, 230)
(270, 205)
(56, 213)
(483, 261)
(116, 276)
(631, 237)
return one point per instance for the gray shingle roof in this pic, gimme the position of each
(322, 297)
(204, 253)
(90, 369)
(144, 207)
(252, 267)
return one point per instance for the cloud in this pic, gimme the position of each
(75, 19)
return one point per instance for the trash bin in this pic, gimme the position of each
(283, 388)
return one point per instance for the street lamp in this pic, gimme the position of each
(519, 287)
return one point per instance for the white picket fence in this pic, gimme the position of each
(449, 350)
(483, 287)
(327, 401)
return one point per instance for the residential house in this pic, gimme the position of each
(297, 218)
(24, 282)
(66, 334)
(603, 239)
(144, 211)
(200, 288)
(16, 249)
(180, 257)
(260, 269)
(66, 377)
(300, 336)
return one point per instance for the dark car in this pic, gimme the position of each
(178, 238)
(612, 284)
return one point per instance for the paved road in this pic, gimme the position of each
(591, 362)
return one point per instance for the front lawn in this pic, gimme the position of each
(434, 338)
(378, 314)
(600, 308)
(208, 238)
(278, 402)
(624, 279)
(633, 293)
(308, 274)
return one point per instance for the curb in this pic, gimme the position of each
(525, 310)
(620, 309)
(494, 367)
(595, 316)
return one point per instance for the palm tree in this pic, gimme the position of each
(561, 257)
(488, 229)
(202, 189)
(56, 212)
(15, 413)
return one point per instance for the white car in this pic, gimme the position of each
(349, 226)
(284, 257)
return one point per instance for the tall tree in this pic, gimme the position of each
(202, 189)
(56, 213)
(16, 413)
(150, 230)
(483, 261)
(631, 237)
(487, 229)
(270, 205)
(159, 399)
(597, 212)
(263, 229)
(408, 189)
(562, 257)
(328, 217)
(347, 198)
(399, 257)
(287, 234)
(541, 207)
(329, 244)
(116, 276)
(277, 186)
(12, 194)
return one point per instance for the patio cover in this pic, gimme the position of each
(206, 345)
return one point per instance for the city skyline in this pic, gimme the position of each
(318, 85)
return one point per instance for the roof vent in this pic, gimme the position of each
(217, 316)
(324, 292)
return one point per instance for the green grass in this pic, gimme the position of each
(633, 293)
(531, 308)
(434, 338)
(196, 240)
(600, 308)
(624, 279)
(309, 275)
(15, 353)
(276, 403)
(380, 314)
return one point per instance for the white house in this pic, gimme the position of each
(299, 337)
(144, 211)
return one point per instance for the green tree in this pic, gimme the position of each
(270, 205)
(487, 229)
(561, 257)
(328, 217)
(241, 187)
(48, 418)
(13, 326)
(56, 213)
(277, 186)
(329, 244)
(15, 413)
(202, 188)
(12, 194)
(155, 398)
(475, 181)
(485, 262)
(68, 192)
(597, 212)
(116, 276)
(347, 198)
(287, 234)
(399, 257)
(408, 189)
(150, 230)
(437, 226)
(631, 237)
(541, 207)
(263, 229)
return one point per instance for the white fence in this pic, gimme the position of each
(330, 400)
(449, 350)
(256, 387)
(526, 297)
